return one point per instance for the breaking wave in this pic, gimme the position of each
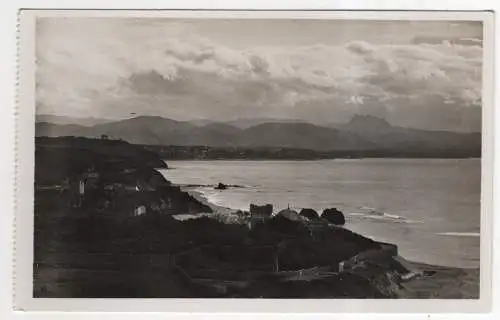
(382, 216)
(459, 234)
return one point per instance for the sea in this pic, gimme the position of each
(430, 208)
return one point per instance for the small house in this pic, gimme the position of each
(259, 214)
(265, 210)
(91, 177)
(81, 187)
(341, 266)
(77, 191)
(140, 210)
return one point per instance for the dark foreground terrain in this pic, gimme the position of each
(105, 226)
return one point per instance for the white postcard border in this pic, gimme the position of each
(25, 173)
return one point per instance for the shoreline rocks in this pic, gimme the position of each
(221, 186)
(309, 213)
(334, 216)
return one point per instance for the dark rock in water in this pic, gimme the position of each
(266, 210)
(236, 186)
(309, 213)
(221, 186)
(429, 273)
(196, 185)
(333, 215)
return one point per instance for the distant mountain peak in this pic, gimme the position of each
(66, 120)
(368, 122)
(366, 118)
(153, 120)
(146, 117)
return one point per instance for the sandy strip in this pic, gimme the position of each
(444, 283)
(200, 197)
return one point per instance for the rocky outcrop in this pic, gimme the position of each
(334, 216)
(309, 213)
(124, 177)
(221, 186)
(113, 153)
(291, 215)
(283, 223)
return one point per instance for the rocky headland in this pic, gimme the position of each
(106, 225)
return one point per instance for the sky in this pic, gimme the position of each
(423, 74)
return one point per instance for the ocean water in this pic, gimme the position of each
(430, 208)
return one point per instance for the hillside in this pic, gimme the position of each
(161, 131)
(387, 136)
(366, 134)
(46, 129)
(84, 235)
(301, 135)
(63, 120)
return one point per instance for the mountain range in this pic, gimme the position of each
(64, 120)
(362, 132)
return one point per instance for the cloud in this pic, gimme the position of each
(464, 41)
(101, 67)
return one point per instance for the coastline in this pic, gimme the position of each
(445, 282)
(136, 230)
(199, 196)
